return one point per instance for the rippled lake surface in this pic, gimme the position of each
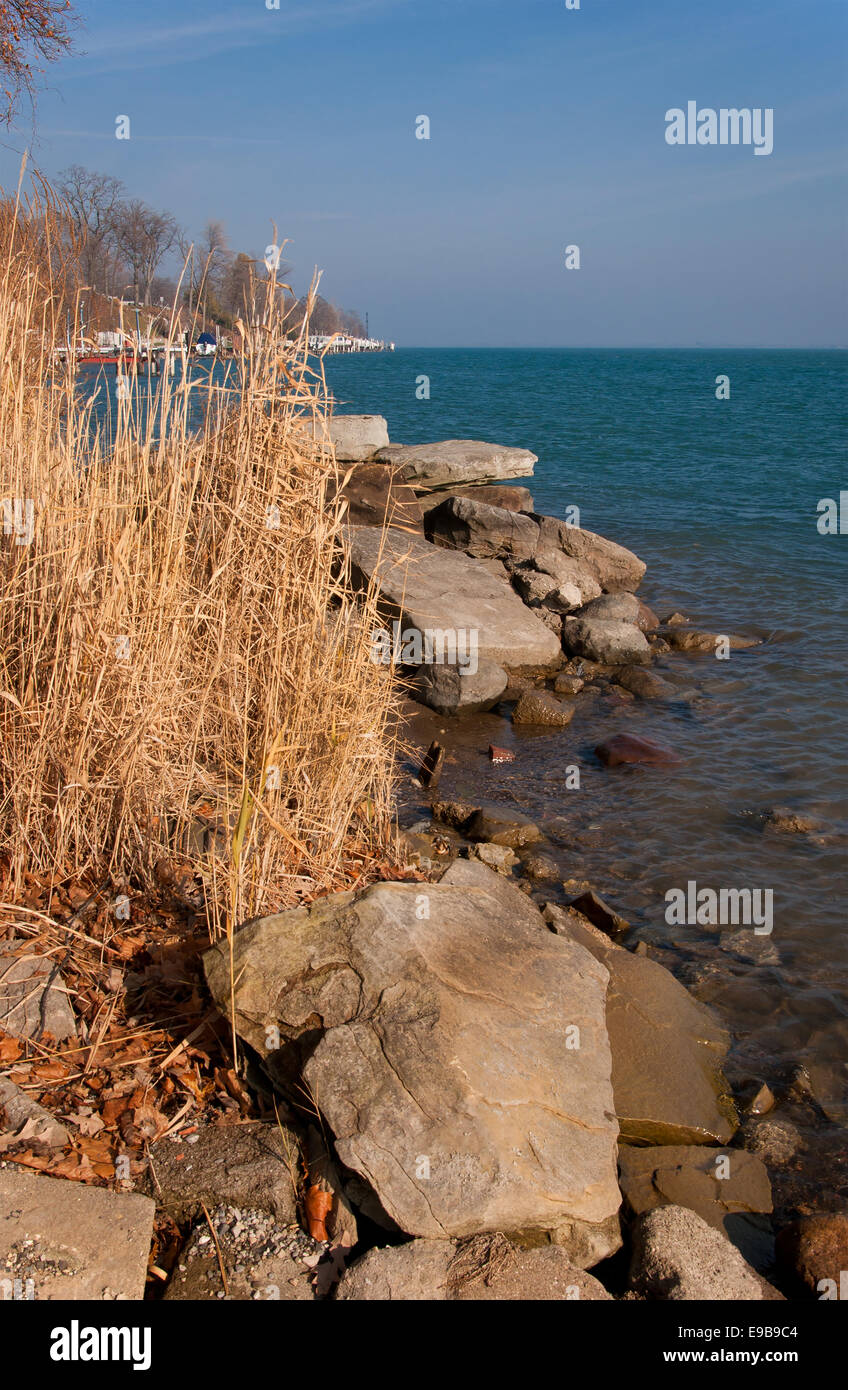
(720, 498)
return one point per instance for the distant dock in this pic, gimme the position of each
(341, 342)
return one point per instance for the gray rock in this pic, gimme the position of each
(357, 437)
(539, 707)
(622, 608)
(452, 462)
(544, 1274)
(568, 573)
(498, 857)
(446, 689)
(75, 1242)
(482, 531)
(254, 1165)
(22, 1118)
(542, 590)
(480, 1269)
(33, 997)
(667, 1048)
(411, 1273)
(606, 640)
(446, 1067)
(611, 565)
(678, 1256)
(429, 588)
(532, 586)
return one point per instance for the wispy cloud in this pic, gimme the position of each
(131, 47)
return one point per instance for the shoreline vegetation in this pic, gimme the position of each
(283, 1049)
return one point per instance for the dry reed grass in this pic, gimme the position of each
(179, 644)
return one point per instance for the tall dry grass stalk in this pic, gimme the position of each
(179, 645)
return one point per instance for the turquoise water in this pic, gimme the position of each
(719, 497)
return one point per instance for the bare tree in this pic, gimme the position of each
(93, 201)
(143, 237)
(32, 32)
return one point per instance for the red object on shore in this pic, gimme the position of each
(500, 755)
(632, 748)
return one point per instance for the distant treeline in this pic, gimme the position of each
(120, 245)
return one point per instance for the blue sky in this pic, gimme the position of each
(547, 129)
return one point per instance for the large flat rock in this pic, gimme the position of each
(452, 462)
(461, 1060)
(667, 1048)
(74, 1242)
(432, 589)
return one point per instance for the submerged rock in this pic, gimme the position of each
(634, 748)
(439, 1024)
(646, 685)
(691, 639)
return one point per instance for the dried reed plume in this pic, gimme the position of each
(179, 645)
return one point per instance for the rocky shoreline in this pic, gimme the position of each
(471, 1084)
(511, 1096)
